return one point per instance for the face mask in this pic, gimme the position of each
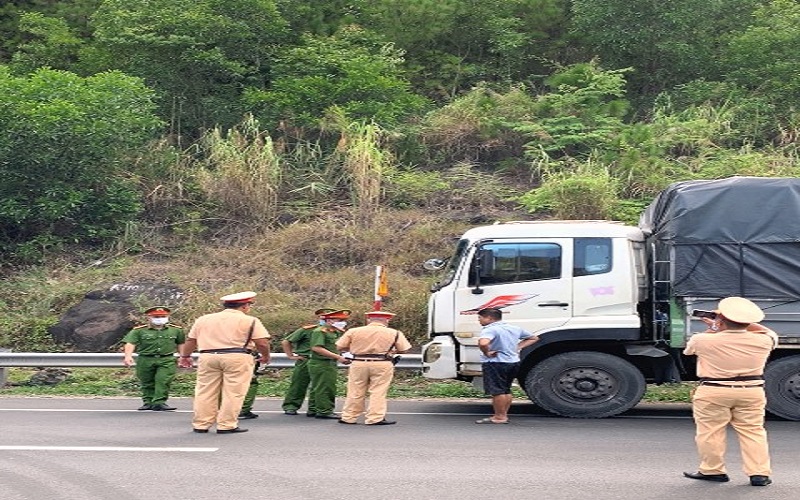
(340, 325)
(159, 321)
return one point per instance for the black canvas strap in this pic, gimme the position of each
(732, 379)
(396, 335)
(249, 334)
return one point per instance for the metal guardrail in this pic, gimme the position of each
(114, 360)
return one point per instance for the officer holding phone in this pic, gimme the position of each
(731, 357)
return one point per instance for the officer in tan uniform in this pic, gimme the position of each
(225, 341)
(372, 348)
(730, 363)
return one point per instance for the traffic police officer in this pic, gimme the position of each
(297, 347)
(730, 363)
(225, 340)
(372, 346)
(155, 344)
(322, 363)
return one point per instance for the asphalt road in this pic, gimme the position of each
(53, 448)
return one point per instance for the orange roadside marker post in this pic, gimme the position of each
(381, 287)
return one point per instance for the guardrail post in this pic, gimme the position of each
(3, 373)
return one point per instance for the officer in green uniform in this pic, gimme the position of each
(155, 344)
(300, 377)
(297, 347)
(250, 398)
(322, 363)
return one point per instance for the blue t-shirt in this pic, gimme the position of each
(504, 339)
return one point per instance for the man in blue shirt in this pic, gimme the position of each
(500, 345)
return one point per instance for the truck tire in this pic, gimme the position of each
(585, 384)
(782, 385)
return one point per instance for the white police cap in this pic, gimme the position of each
(238, 297)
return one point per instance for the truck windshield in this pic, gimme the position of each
(453, 265)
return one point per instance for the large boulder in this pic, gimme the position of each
(103, 317)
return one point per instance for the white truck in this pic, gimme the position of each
(611, 303)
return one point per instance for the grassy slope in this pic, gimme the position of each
(296, 269)
(328, 262)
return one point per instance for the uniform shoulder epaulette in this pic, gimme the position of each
(140, 326)
(309, 326)
(175, 325)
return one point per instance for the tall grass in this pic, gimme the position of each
(587, 192)
(364, 161)
(242, 172)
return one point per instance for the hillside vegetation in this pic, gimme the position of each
(289, 146)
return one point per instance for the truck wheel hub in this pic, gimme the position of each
(793, 386)
(586, 383)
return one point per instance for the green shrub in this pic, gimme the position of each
(478, 127)
(628, 211)
(63, 158)
(407, 188)
(587, 194)
(352, 70)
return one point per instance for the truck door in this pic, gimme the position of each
(530, 281)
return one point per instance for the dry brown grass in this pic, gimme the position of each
(326, 262)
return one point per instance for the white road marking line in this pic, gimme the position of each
(104, 448)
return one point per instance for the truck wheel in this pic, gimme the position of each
(782, 384)
(585, 384)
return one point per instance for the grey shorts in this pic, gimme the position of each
(498, 377)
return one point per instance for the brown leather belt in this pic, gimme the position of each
(229, 350)
(375, 359)
(714, 384)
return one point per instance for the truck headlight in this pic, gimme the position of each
(432, 353)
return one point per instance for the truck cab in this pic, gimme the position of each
(570, 282)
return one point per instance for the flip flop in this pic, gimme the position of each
(490, 421)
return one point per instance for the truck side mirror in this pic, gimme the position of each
(434, 264)
(485, 263)
(483, 268)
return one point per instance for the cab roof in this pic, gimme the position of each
(555, 229)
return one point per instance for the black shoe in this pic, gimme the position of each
(311, 415)
(231, 431)
(717, 478)
(384, 422)
(760, 480)
(329, 416)
(162, 407)
(145, 406)
(346, 422)
(200, 431)
(246, 415)
(290, 412)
